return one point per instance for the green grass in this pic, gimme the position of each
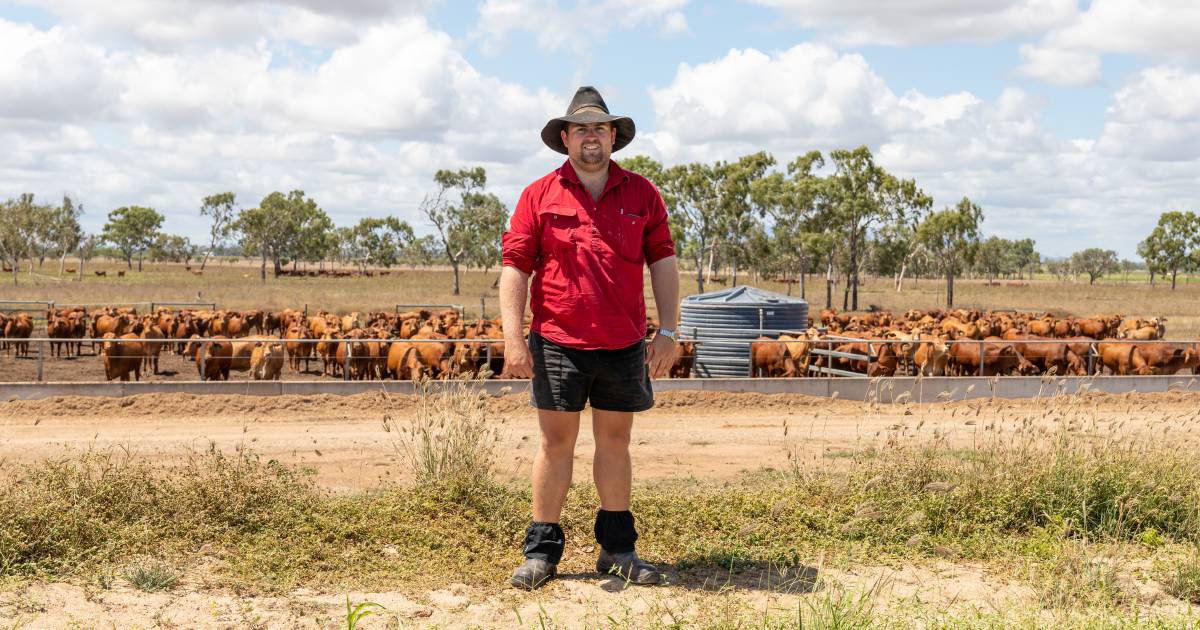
(271, 528)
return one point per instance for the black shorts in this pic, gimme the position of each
(564, 379)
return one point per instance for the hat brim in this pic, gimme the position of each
(623, 124)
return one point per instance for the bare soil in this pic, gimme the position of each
(707, 435)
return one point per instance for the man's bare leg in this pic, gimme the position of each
(553, 463)
(611, 466)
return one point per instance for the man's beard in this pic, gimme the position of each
(592, 156)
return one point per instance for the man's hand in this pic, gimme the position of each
(660, 355)
(518, 362)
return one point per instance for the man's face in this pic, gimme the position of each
(589, 145)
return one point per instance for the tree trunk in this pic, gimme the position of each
(829, 283)
(262, 269)
(712, 254)
(700, 271)
(205, 261)
(852, 281)
(454, 264)
(16, 274)
(62, 263)
(140, 262)
(803, 275)
(129, 261)
(79, 276)
(949, 288)
(1174, 272)
(733, 276)
(278, 267)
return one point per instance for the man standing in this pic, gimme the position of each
(585, 232)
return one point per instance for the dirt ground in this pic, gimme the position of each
(707, 435)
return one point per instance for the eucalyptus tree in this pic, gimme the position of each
(951, 236)
(132, 229)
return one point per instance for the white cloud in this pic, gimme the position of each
(1105, 191)
(362, 130)
(50, 75)
(170, 24)
(576, 29)
(890, 22)
(1162, 28)
(1070, 53)
(1155, 117)
(1059, 66)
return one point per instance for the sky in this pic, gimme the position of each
(1072, 122)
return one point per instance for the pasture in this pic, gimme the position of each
(766, 511)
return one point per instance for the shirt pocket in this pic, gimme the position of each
(631, 237)
(559, 228)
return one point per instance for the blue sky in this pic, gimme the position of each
(1070, 122)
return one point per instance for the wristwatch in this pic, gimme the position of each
(667, 332)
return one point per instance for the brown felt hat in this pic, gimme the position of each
(586, 108)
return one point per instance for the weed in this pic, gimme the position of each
(1181, 577)
(358, 612)
(152, 575)
(450, 440)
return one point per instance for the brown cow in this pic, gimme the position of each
(685, 356)
(1123, 359)
(1166, 358)
(266, 361)
(19, 327)
(122, 355)
(298, 351)
(999, 357)
(770, 358)
(931, 357)
(151, 330)
(211, 357)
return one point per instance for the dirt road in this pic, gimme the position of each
(701, 434)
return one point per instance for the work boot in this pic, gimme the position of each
(627, 566)
(533, 573)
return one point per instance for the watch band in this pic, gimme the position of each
(667, 332)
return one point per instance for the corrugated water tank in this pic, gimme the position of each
(726, 321)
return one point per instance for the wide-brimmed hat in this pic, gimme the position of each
(586, 108)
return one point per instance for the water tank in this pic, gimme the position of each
(726, 321)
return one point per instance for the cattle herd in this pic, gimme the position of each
(970, 342)
(442, 344)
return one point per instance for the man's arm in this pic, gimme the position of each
(664, 281)
(514, 288)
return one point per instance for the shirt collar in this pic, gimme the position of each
(616, 174)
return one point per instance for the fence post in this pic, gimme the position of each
(40, 355)
(982, 357)
(489, 356)
(482, 307)
(828, 361)
(1091, 365)
(346, 362)
(203, 351)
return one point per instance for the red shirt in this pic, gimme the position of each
(587, 256)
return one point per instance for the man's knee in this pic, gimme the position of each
(612, 438)
(559, 431)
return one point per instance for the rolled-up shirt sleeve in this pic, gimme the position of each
(657, 243)
(521, 242)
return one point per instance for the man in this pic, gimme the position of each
(584, 232)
